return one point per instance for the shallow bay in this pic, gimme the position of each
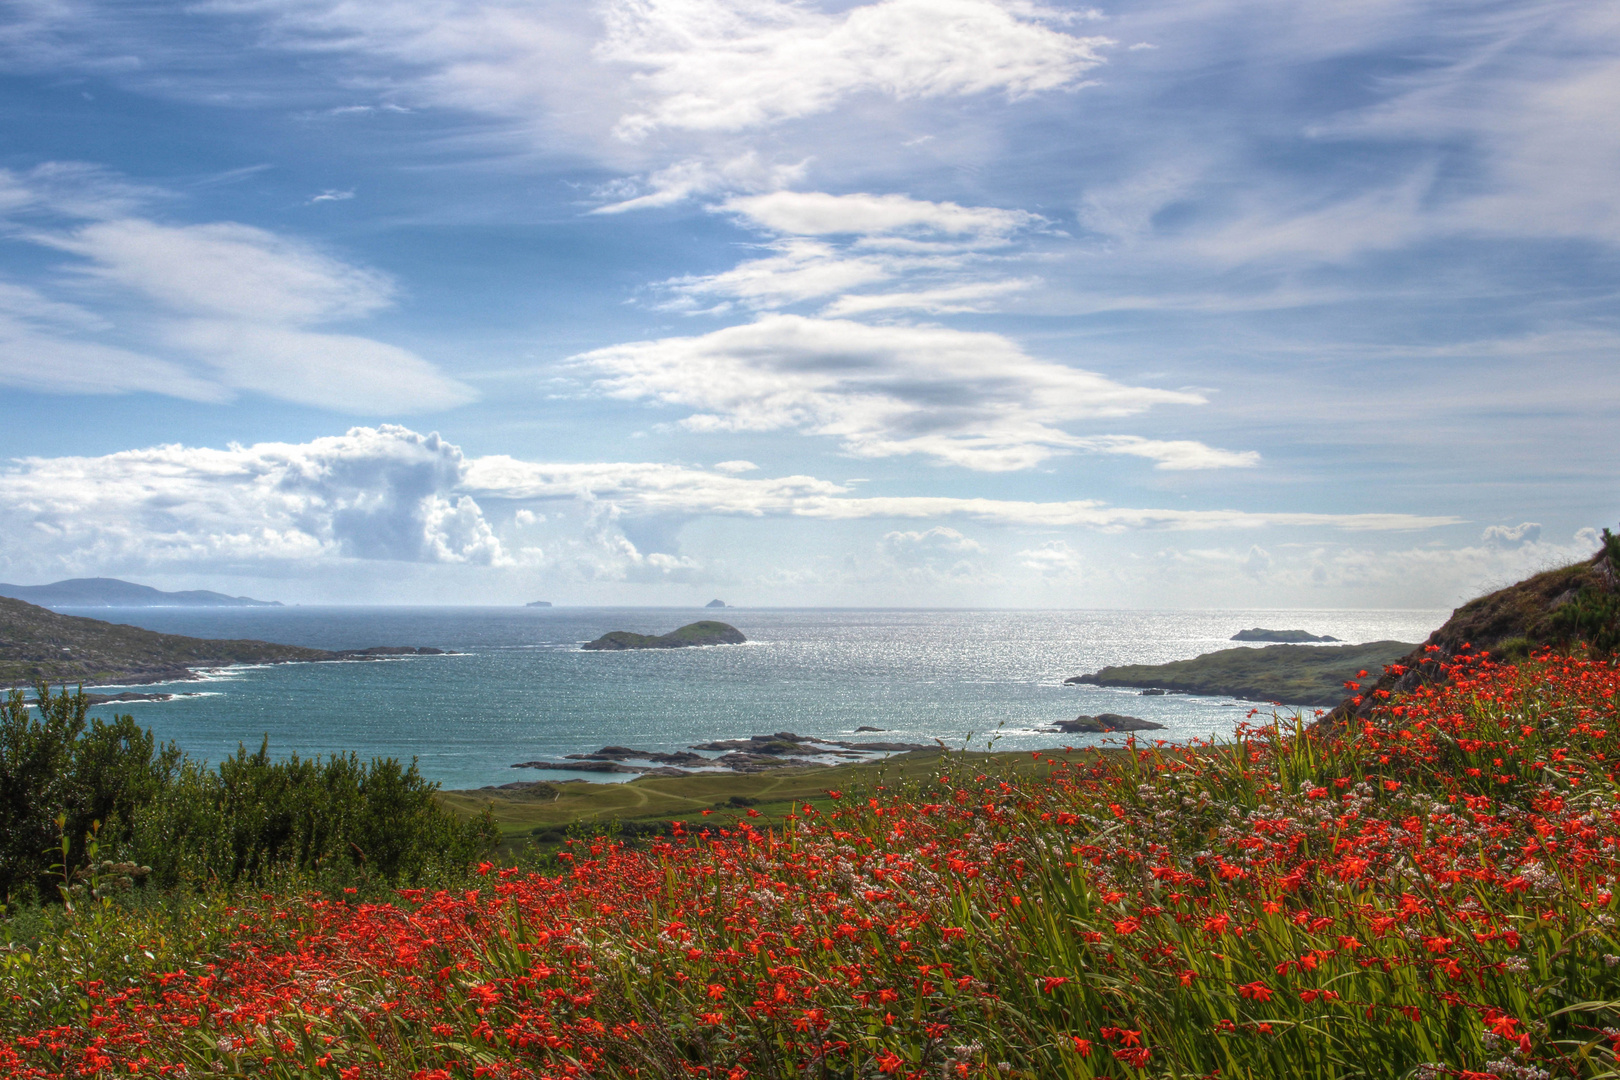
(520, 688)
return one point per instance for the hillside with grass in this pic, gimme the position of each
(1311, 675)
(40, 645)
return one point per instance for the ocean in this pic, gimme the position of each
(519, 688)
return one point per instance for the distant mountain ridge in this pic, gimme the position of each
(111, 592)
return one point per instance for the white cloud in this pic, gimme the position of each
(708, 65)
(1053, 559)
(227, 270)
(971, 399)
(393, 494)
(238, 300)
(816, 213)
(693, 177)
(800, 270)
(945, 300)
(384, 493)
(936, 555)
(735, 467)
(1505, 537)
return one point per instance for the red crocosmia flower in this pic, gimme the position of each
(1255, 991)
(1503, 1025)
(1081, 1046)
(890, 1062)
(1052, 982)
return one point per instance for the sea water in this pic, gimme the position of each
(518, 687)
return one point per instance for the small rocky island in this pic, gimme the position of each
(1104, 724)
(1280, 637)
(716, 604)
(707, 632)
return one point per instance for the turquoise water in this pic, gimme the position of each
(520, 688)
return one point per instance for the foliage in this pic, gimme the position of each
(72, 790)
(1593, 616)
(37, 644)
(1428, 895)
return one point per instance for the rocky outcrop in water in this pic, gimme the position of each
(707, 632)
(1104, 723)
(1280, 637)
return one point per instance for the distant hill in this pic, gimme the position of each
(111, 592)
(37, 643)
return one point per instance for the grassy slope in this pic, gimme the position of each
(661, 798)
(36, 643)
(1291, 674)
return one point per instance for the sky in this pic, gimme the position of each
(984, 303)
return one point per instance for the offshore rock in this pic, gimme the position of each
(707, 632)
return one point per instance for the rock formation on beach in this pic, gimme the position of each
(707, 632)
(756, 753)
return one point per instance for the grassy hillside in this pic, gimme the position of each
(520, 811)
(1290, 674)
(38, 644)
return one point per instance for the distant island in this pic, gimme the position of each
(698, 633)
(715, 603)
(538, 603)
(1286, 637)
(111, 592)
(1287, 674)
(40, 645)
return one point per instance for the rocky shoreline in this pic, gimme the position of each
(757, 753)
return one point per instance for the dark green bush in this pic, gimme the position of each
(335, 820)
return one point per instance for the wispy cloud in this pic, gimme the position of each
(242, 303)
(972, 399)
(709, 65)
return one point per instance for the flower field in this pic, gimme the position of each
(1429, 895)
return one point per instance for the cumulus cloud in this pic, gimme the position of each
(936, 555)
(392, 494)
(708, 65)
(1508, 537)
(1053, 559)
(243, 303)
(384, 493)
(970, 399)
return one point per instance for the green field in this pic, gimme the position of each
(659, 799)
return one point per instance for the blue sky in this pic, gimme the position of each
(909, 302)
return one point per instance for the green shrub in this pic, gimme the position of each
(337, 821)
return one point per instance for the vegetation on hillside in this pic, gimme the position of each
(1285, 674)
(77, 792)
(40, 645)
(1429, 895)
